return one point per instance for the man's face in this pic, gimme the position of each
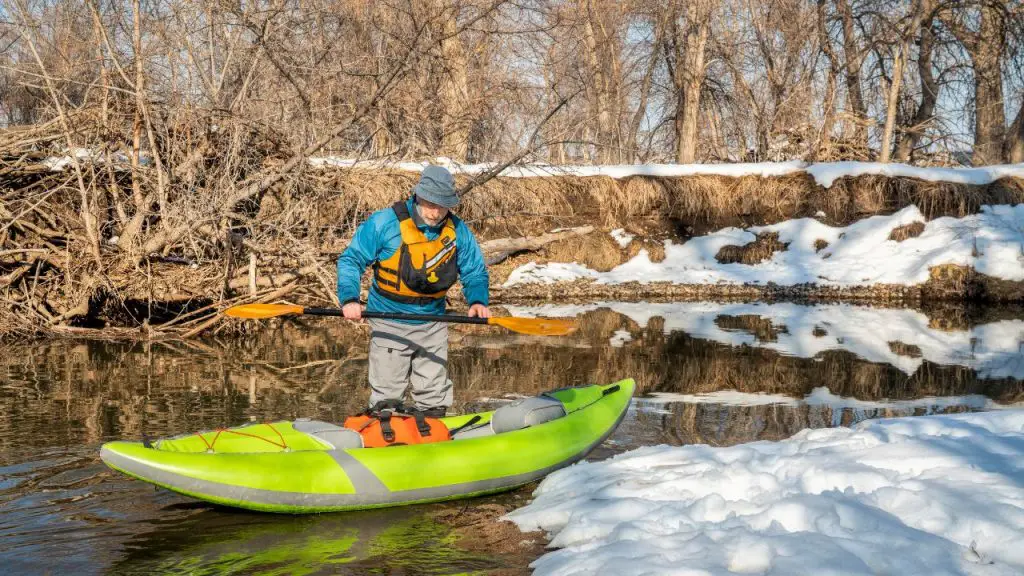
(432, 214)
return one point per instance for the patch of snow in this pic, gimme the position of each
(993, 350)
(619, 338)
(532, 272)
(861, 254)
(622, 237)
(57, 163)
(923, 495)
(86, 155)
(541, 170)
(826, 173)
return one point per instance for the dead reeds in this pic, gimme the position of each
(760, 250)
(901, 233)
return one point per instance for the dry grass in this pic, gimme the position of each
(655, 250)
(526, 206)
(597, 250)
(908, 350)
(955, 282)
(820, 245)
(950, 281)
(912, 230)
(755, 252)
(854, 197)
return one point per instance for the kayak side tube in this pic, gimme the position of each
(303, 481)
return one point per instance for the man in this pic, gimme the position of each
(418, 249)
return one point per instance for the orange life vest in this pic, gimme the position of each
(393, 427)
(421, 270)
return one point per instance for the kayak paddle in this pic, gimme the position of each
(532, 326)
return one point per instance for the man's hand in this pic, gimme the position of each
(352, 311)
(479, 311)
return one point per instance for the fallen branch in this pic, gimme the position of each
(498, 250)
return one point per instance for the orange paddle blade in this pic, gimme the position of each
(536, 326)
(262, 310)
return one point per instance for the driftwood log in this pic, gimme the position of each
(496, 251)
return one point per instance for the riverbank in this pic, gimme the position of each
(902, 256)
(167, 269)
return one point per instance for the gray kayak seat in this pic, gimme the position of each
(338, 436)
(516, 416)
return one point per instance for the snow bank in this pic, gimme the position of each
(993, 350)
(925, 495)
(824, 173)
(860, 254)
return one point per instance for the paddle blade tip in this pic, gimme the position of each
(260, 311)
(537, 326)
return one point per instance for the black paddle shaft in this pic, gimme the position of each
(397, 316)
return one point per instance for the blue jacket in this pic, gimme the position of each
(379, 237)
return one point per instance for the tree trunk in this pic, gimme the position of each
(603, 88)
(689, 77)
(989, 124)
(985, 48)
(854, 60)
(917, 10)
(890, 105)
(455, 115)
(911, 135)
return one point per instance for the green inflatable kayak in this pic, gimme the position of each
(310, 466)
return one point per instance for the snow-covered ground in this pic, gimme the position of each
(925, 495)
(860, 254)
(993, 350)
(824, 173)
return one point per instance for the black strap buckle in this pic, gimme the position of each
(384, 417)
(421, 422)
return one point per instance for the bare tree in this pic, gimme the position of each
(685, 55)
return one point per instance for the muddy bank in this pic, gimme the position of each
(480, 529)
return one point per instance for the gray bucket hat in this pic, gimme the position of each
(437, 185)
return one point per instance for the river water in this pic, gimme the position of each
(707, 372)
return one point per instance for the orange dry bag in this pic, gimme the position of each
(396, 425)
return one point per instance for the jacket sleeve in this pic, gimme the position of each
(361, 252)
(472, 268)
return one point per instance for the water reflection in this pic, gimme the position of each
(227, 542)
(718, 373)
